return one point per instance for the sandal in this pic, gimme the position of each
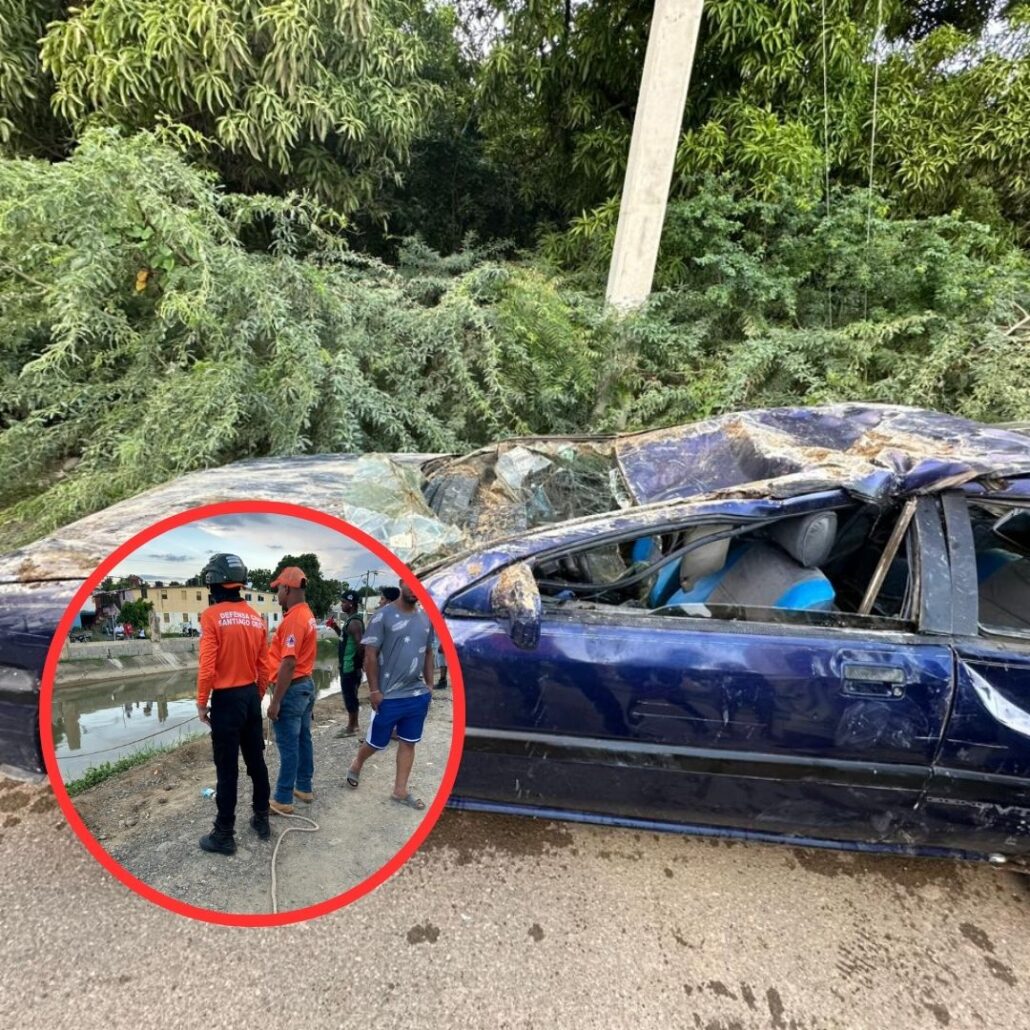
(409, 801)
(353, 778)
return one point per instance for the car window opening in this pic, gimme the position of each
(810, 569)
(1001, 536)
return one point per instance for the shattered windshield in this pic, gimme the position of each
(518, 485)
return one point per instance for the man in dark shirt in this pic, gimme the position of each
(350, 630)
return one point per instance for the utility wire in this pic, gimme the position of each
(872, 146)
(826, 159)
(129, 743)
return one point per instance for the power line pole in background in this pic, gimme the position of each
(671, 43)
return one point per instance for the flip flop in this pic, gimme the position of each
(353, 778)
(409, 801)
(345, 732)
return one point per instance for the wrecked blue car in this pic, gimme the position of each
(809, 625)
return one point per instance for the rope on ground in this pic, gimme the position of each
(289, 829)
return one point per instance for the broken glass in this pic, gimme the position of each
(516, 486)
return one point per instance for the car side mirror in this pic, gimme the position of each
(515, 595)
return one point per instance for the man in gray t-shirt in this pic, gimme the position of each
(399, 645)
(401, 640)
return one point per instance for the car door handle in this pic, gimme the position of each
(882, 681)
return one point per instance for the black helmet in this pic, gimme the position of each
(224, 568)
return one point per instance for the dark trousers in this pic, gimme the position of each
(236, 727)
(349, 683)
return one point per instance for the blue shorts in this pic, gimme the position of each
(405, 714)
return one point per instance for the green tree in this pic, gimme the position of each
(452, 189)
(952, 128)
(129, 305)
(558, 89)
(324, 95)
(772, 301)
(136, 614)
(28, 125)
(321, 592)
(260, 579)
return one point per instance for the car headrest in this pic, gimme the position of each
(807, 539)
(707, 558)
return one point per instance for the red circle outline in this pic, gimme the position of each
(239, 918)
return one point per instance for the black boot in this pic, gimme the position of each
(259, 821)
(220, 841)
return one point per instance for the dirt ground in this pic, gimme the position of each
(151, 817)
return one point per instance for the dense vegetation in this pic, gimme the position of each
(222, 236)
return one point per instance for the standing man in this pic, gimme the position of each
(399, 645)
(232, 676)
(290, 662)
(352, 657)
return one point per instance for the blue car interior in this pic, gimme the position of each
(781, 572)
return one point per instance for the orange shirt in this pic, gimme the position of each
(296, 636)
(233, 649)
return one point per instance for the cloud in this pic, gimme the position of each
(260, 539)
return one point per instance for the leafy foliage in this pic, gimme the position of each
(321, 94)
(320, 592)
(953, 126)
(775, 302)
(105, 770)
(558, 94)
(140, 338)
(136, 614)
(27, 124)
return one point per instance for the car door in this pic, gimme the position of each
(979, 796)
(825, 731)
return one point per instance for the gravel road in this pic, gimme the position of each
(150, 818)
(509, 923)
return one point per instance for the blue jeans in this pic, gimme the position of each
(293, 738)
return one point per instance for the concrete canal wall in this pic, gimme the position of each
(107, 660)
(124, 659)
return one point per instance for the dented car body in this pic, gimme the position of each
(798, 624)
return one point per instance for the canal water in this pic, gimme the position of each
(103, 722)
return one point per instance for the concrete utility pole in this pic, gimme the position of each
(652, 151)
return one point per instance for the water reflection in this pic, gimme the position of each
(103, 722)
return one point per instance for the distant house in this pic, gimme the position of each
(178, 608)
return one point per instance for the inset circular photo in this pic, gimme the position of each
(252, 713)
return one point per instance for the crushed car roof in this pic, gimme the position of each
(875, 452)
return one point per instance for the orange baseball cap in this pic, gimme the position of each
(291, 576)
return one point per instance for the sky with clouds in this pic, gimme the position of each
(260, 540)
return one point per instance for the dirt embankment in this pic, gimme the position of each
(151, 818)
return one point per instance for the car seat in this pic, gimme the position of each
(782, 573)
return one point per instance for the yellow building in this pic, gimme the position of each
(178, 608)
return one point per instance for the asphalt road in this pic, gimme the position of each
(514, 924)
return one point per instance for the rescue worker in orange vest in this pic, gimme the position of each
(291, 659)
(231, 681)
